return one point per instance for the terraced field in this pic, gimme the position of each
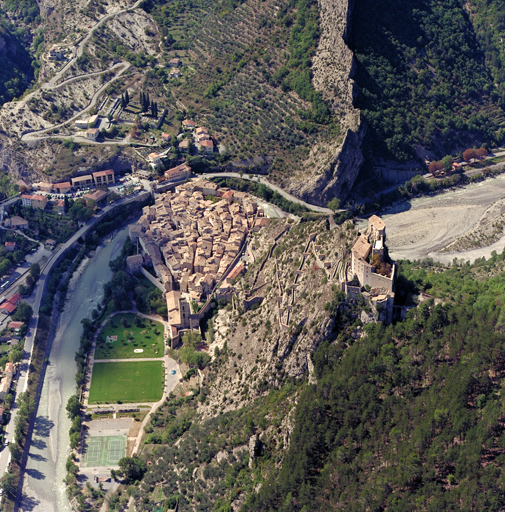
(230, 58)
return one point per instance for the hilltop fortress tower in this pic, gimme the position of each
(372, 269)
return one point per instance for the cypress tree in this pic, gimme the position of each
(65, 204)
(126, 97)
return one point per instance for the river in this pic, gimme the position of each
(43, 488)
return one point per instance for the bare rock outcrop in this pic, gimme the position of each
(332, 166)
(12, 161)
(333, 63)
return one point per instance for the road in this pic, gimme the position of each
(43, 488)
(80, 48)
(52, 83)
(261, 179)
(35, 301)
(33, 134)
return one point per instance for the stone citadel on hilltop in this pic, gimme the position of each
(193, 238)
(372, 269)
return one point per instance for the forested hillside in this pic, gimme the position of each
(410, 417)
(15, 59)
(488, 17)
(423, 76)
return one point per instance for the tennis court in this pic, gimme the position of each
(104, 451)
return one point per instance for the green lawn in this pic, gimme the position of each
(127, 382)
(130, 338)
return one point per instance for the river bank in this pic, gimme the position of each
(425, 227)
(43, 488)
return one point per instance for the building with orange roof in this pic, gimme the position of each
(39, 201)
(104, 177)
(8, 308)
(188, 124)
(63, 188)
(207, 146)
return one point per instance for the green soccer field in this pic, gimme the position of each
(129, 382)
(146, 338)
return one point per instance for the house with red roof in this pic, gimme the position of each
(104, 177)
(15, 326)
(188, 124)
(14, 299)
(8, 308)
(207, 147)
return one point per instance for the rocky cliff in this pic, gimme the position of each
(332, 167)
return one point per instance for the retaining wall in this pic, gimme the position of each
(152, 279)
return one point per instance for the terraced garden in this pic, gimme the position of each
(237, 56)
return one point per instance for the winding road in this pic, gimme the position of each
(33, 135)
(80, 49)
(261, 179)
(52, 84)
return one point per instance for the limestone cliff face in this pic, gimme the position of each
(332, 66)
(332, 166)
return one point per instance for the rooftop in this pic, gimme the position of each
(376, 222)
(99, 174)
(362, 248)
(83, 178)
(95, 196)
(14, 299)
(7, 306)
